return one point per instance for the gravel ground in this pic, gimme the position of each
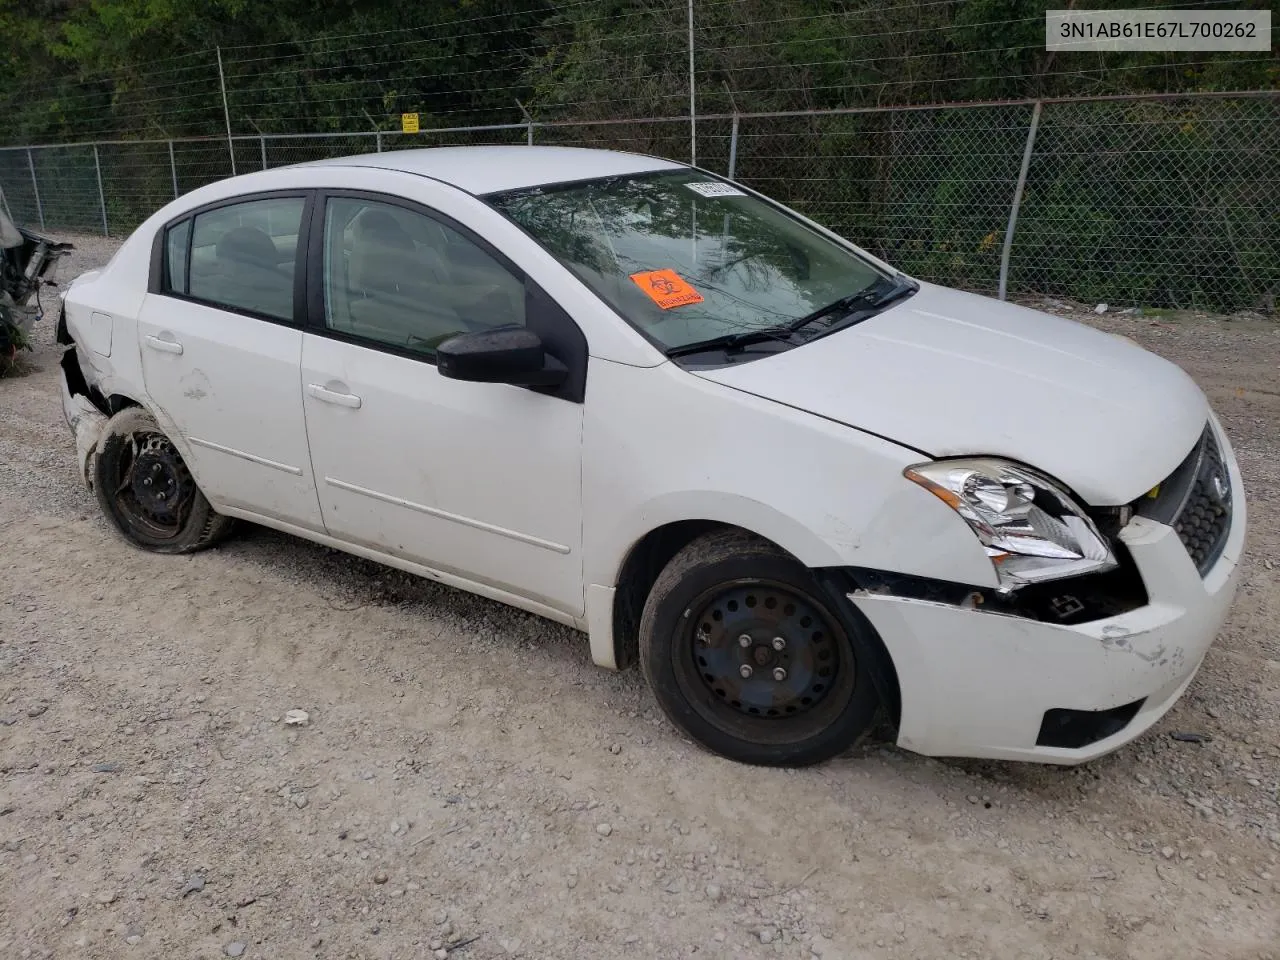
(468, 785)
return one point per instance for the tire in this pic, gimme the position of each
(167, 515)
(730, 585)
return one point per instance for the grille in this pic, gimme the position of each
(1196, 501)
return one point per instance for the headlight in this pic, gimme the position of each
(1030, 528)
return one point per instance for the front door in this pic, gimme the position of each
(221, 350)
(479, 480)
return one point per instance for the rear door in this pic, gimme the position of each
(221, 343)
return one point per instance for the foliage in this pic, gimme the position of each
(1140, 202)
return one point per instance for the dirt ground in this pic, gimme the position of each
(470, 786)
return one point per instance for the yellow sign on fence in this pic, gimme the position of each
(408, 123)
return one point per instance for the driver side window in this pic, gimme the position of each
(399, 278)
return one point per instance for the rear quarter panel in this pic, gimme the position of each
(102, 307)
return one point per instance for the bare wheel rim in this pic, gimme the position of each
(152, 488)
(764, 661)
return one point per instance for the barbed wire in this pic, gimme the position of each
(506, 15)
(1156, 200)
(348, 78)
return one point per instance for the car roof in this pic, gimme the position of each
(495, 168)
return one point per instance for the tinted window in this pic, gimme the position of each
(686, 258)
(242, 256)
(176, 256)
(400, 278)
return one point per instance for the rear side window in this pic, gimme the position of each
(176, 256)
(242, 256)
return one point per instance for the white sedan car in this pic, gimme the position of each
(803, 490)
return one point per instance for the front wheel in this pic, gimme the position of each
(146, 491)
(745, 655)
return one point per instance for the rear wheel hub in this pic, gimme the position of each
(155, 488)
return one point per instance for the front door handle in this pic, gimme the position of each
(164, 346)
(332, 396)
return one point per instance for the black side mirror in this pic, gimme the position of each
(510, 354)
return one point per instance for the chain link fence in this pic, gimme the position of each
(1154, 201)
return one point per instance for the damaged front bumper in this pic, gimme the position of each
(975, 683)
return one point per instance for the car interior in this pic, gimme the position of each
(403, 279)
(238, 258)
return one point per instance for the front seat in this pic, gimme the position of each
(391, 296)
(380, 250)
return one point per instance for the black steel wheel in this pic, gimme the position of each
(766, 651)
(146, 491)
(745, 654)
(153, 487)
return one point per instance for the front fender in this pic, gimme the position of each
(662, 446)
(718, 507)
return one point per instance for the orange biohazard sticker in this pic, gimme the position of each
(666, 288)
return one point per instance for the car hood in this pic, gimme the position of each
(955, 374)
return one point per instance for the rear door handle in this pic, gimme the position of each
(164, 346)
(332, 396)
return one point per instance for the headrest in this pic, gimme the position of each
(247, 245)
(382, 228)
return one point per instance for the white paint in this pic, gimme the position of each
(536, 501)
(600, 625)
(98, 334)
(263, 461)
(233, 393)
(448, 578)
(956, 374)
(494, 168)
(693, 449)
(976, 684)
(479, 479)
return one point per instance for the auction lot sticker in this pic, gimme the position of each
(712, 188)
(1157, 29)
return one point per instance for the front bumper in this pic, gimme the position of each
(978, 684)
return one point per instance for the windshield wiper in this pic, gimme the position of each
(880, 294)
(732, 341)
(856, 307)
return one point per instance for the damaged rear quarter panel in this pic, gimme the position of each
(117, 291)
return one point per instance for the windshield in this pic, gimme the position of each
(685, 258)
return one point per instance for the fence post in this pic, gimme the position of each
(378, 137)
(35, 188)
(102, 197)
(693, 101)
(528, 123)
(1017, 199)
(733, 147)
(263, 142)
(226, 113)
(173, 170)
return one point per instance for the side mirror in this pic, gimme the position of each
(510, 354)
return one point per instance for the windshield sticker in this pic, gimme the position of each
(710, 188)
(666, 288)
